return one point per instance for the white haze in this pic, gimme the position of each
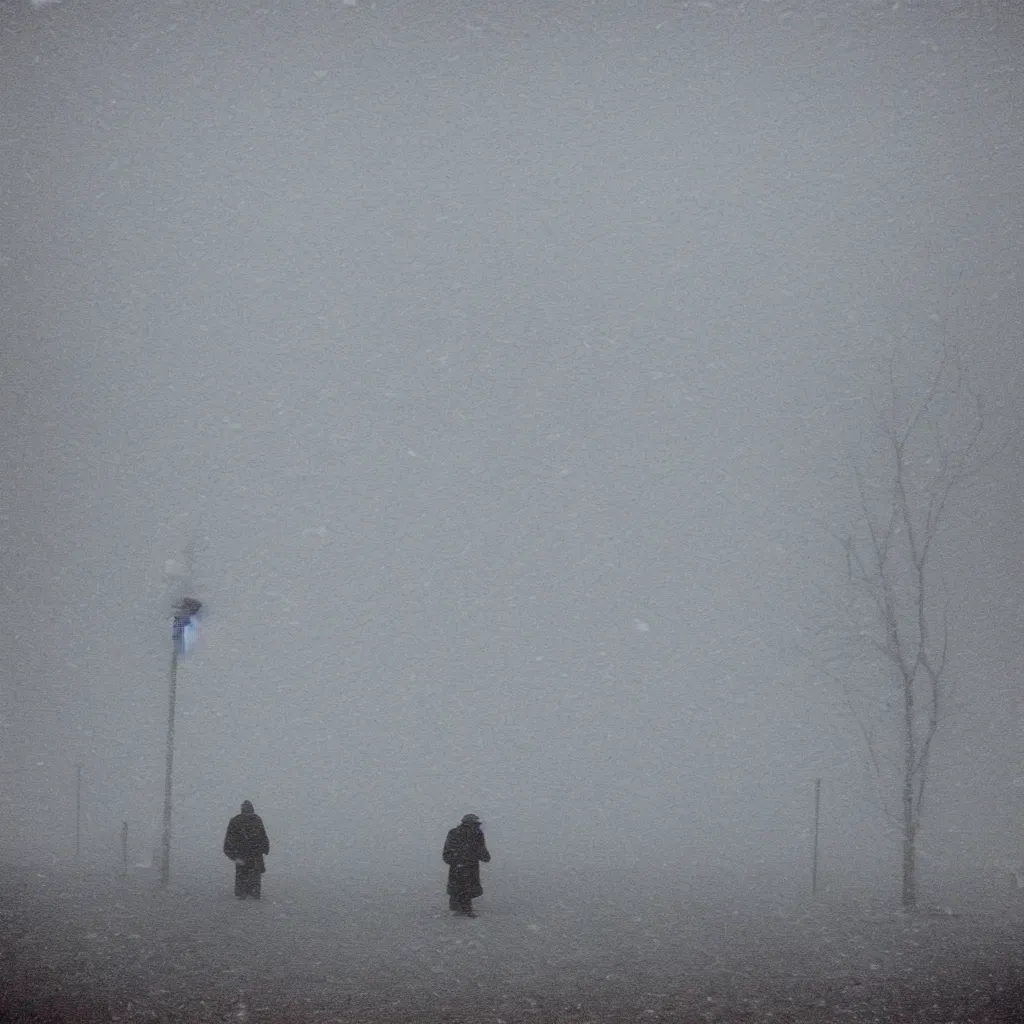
(505, 363)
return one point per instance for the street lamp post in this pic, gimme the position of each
(182, 636)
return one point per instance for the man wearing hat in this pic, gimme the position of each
(246, 843)
(464, 849)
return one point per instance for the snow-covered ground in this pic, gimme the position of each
(548, 946)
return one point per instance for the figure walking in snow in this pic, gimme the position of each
(246, 843)
(464, 849)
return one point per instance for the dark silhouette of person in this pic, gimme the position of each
(464, 850)
(246, 843)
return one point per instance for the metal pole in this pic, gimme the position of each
(817, 819)
(124, 846)
(165, 850)
(78, 811)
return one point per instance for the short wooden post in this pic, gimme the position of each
(817, 820)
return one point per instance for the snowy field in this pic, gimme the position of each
(555, 947)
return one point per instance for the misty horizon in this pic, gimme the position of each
(507, 367)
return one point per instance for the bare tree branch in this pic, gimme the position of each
(933, 451)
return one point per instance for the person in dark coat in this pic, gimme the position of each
(464, 849)
(246, 843)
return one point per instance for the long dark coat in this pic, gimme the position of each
(246, 839)
(464, 849)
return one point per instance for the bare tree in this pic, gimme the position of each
(931, 449)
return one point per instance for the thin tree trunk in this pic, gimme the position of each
(909, 829)
(909, 870)
(909, 897)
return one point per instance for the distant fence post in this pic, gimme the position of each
(817, 820)
(78, 811)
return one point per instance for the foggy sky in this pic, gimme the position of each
(505, 363)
